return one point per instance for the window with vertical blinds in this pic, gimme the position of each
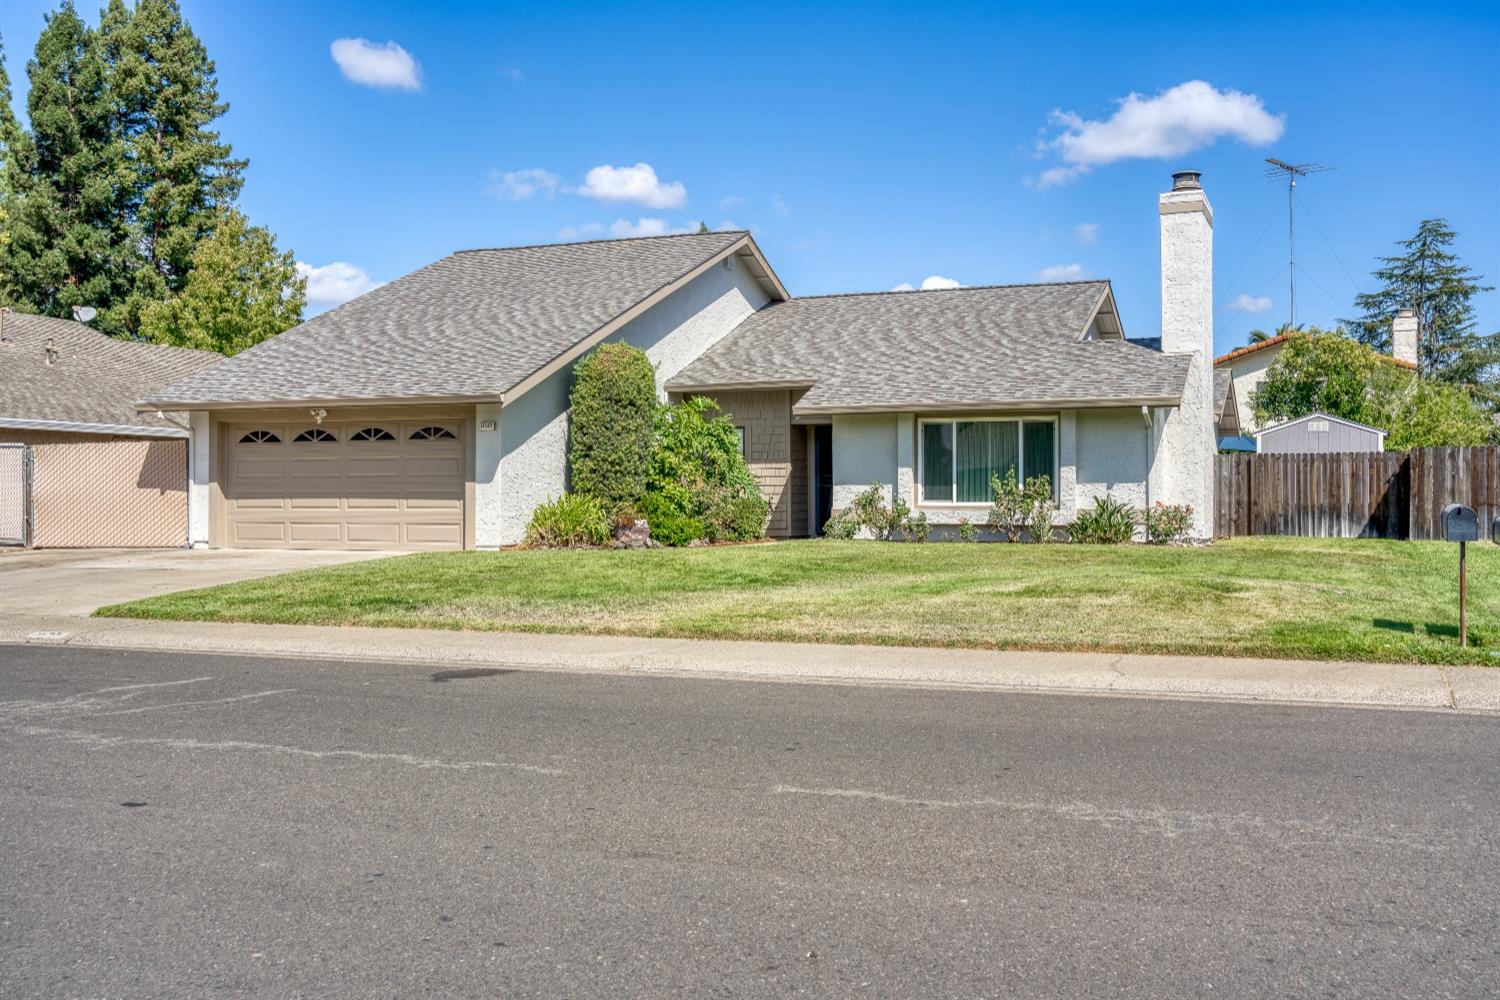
(959, 457)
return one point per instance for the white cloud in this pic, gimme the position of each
(334, 284)
(519, 185)
(932, 282)
(779, 206)
(640, 227)
(1251, 303)
(513, 73)
(578, 232)
(1086, 233)
(1177, 121)
(638, 184)
(727, 203)
(387, 65)
(1061, 272)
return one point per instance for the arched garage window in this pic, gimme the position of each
(260, 437)
(314, 435)
(432, 434)
(372, 434)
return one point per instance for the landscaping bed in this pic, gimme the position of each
(1279, 597)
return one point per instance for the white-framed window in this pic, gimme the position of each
(957, 456)
(739, 432)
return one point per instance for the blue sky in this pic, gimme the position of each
(865, 145)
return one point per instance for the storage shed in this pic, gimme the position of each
(1316, 434)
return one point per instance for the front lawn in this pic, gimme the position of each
(1281, 597)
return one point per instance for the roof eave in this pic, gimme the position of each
(86, 427)
(178, 405)
(1091, 403)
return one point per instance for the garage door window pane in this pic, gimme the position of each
(372, 434)
(260, 437)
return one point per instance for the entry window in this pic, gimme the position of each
(372, 434)
(432, 434)
(314, 435)
(739, 432)
(260, 437)
(958, 457)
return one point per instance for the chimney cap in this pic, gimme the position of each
(1186, 180)
(1405, 312)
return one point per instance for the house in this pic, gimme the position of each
(1316, 434)
(432, 412)
(1246, 368)
(101, 471)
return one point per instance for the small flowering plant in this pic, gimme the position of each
(1167, 523)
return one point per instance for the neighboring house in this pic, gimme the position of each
(1246, 368)
(432, 412)
(103, 472)
(1316, 434)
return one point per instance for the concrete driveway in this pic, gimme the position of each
(78, 581)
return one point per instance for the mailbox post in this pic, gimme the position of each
(1461, 525)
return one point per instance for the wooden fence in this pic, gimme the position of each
(1354, 495)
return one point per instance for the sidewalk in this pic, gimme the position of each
(1462, 689)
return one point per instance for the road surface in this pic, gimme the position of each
(188, 825)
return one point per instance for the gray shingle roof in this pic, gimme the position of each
(1009, 345)
(94, 379)
(1223, 379)
(474, 324)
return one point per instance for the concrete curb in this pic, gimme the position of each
(1376, 685)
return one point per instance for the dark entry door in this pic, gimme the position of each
(822, 476)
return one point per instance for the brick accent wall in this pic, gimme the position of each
(767, 420)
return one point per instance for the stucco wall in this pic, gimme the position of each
(1248, 373)
(1113, 457)
(200, 478)
(1099, 452)
(533, 431)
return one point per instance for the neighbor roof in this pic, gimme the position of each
(473, 326)
(994, 346)
(93, 381)
(1277, 341)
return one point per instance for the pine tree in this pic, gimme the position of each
(1430, 279)
(240, 290)
(68, 237)
(10, 131)
(165, 99)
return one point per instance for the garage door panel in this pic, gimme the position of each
(418, 534)
(404, 493)
(316, 531)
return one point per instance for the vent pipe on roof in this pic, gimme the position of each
(3, 338)
(51, 350)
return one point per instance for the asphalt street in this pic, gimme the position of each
(192, 826)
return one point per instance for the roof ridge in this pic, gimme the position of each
(961, 288)
(607, 239)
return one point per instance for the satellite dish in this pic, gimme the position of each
(84, 314)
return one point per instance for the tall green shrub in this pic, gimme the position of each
(614, 413)
(699, 477)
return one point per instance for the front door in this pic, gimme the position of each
(822, 476)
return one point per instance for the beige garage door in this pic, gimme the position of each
(367, 484)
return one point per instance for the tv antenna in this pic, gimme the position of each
(1291, 171)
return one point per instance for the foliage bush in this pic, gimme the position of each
(698, 480)
(841, 527)
(967, 532)
(614, 411)
(914, 527)
(670, 525)
(573, 520)
(1167, 523)
(1022, 508)
(1109, 522)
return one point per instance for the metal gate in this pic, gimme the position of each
(15, 494)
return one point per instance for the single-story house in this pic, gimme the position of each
(99, 470)
(1316, 434)
(432, 412)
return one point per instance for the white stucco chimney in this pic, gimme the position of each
(1404, 335)
(1183, 462)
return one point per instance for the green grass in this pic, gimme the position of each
(1279, 597)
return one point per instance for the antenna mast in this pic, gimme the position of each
(1291, 171)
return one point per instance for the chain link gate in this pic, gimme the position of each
(15, 494)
